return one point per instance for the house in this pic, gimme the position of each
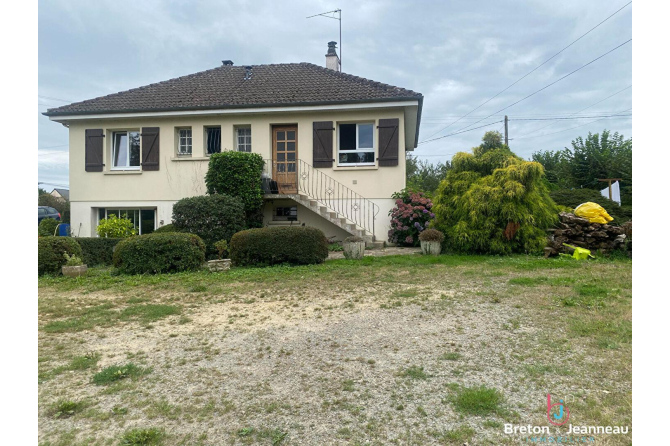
(61, 194)
(334, 145)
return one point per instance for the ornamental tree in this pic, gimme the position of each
(494, 202)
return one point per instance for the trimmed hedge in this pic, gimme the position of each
(574, 197)
(238, 174)
(50, 252)
(159, 253)
(97, 250)
(272, 246)
(166, 228)
(210, 217)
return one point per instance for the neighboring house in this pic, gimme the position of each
(334, 145)
(61, 194)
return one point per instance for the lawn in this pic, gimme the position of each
(405, 350)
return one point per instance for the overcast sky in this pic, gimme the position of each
(458, 54)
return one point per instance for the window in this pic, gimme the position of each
(213, 139)
(126, 150)
(144, 220)
(285, 213)
(356, 144)
(243, 139)
(185, 142)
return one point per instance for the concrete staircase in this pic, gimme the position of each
(336, 219)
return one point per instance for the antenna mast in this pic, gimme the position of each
(339, 18)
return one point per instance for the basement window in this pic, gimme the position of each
(356, 144)
(285, 213)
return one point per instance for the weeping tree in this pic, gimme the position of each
(494, 202)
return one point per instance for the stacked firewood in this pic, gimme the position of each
(578, 231)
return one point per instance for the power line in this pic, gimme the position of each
(459, 132)
(54, 99)
(555, 82)
(533, 70)
(581, 125)
(562, 118)
(585, 108)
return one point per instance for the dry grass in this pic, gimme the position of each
(396, 350)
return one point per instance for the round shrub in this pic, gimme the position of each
(50, 252)
(411, 214)
(47, 227)
(210, 217)
(159, 253)
(166, 228)
(431, 235)
(272, 246)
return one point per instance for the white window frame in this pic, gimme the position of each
(237, 138)
(139, 214)
(127, 149)
(372, 149)
(188, 139)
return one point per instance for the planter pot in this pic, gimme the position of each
(431, 248)
(353, 250)
(218, 265)
(74, 271)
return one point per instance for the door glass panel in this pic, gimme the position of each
(281, 167)
(290, 146)
(281, 136)
(281, 157)
(281, 147)
(290, 156)
(147, 221)
(290, 135)
(291, 167)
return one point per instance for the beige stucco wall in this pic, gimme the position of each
(184, 177)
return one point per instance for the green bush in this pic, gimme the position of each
(159, 253)
(574, 197)
(97, 250)
(210, 217)
(50, 252)
(166, 228)
(493, 202)
(271, 246)
(114, 226)
(238, 174)
(47, 227)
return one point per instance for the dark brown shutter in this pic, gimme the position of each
(150, 148)
(93, 150)
(322, 148)
(388, 142)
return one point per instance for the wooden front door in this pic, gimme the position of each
(285, 158)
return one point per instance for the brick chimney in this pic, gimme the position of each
(332, 59)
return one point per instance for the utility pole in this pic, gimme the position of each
(506, 140)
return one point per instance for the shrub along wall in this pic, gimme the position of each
(211, 217)
(159, 253)
(97, 250)
(238, 174)
(272, 246)
(50, 252)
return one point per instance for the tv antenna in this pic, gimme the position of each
(339, 18)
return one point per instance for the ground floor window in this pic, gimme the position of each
(144, 220)
(285, 213)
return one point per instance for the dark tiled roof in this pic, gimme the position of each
(226, 87)
(65, 193)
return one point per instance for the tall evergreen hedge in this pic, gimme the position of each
(238, 174)
(494, 202)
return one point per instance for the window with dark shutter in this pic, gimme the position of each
(150, 148)
(388, 142)
(322, 147)
(94, 160)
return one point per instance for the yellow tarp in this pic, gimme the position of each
(593, 212)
